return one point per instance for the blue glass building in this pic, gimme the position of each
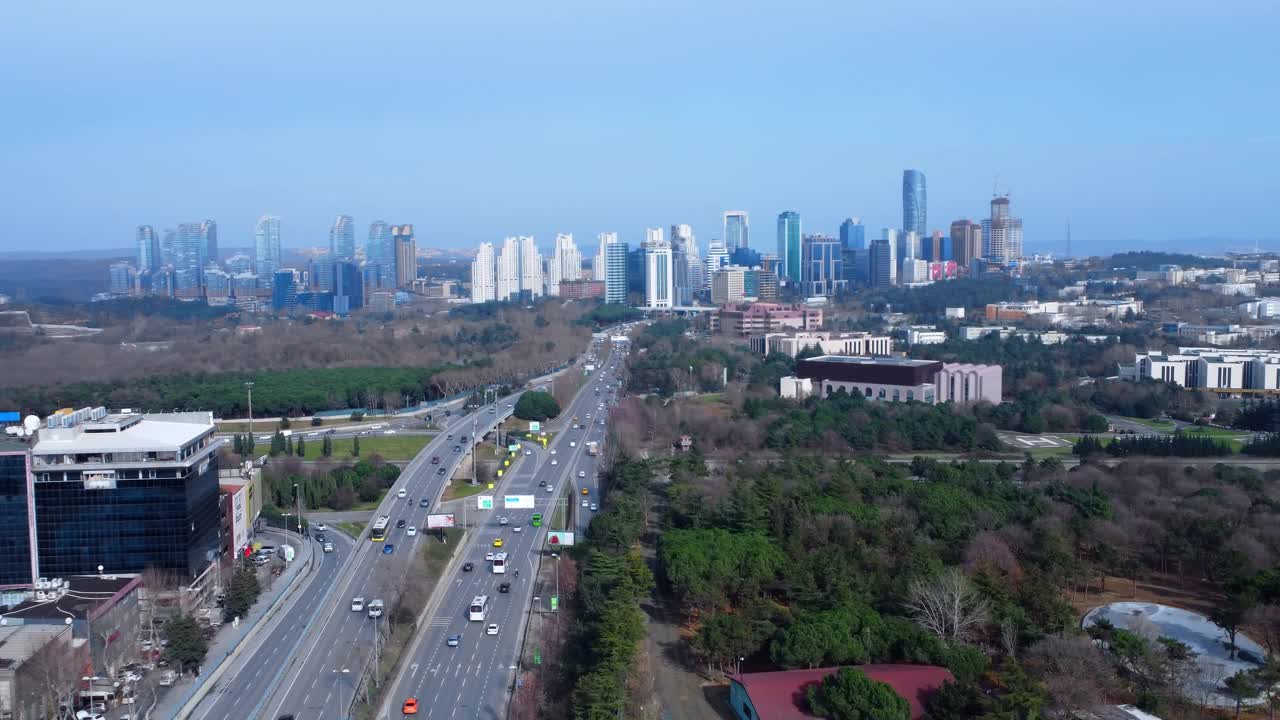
(789, 240)
(915, 203)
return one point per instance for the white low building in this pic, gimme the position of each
(1224, 371)
(925, 335)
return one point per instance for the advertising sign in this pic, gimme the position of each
(517, 502)
(534, 426)
(484, 502)
(560, 539)
(514, 447)
(240, 517)
(442, 520)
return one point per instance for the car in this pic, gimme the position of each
(402, 493)
(497, 542)
(594, 507)
(453, 640)
(357, 604)
(550, 489)
(425, 502)
(410, 707)
(435, 459)
(527, 453)
(321, 537)
(542, 483)
(553, 451)
(400, 523)
(503, 521)
(582, 473)
(95, 715)
(411, 531)
(584, 504)
(468, 567)
(389, 548)
(320, 527)
(573, 444)
(492, 629)
(586, 491)
(328, 547)
(517, 528)
(440, 471)
(504, 587)
(588, 416)
(375, 608)
(489, 556)
(555, 461)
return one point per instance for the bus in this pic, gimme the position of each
(537, 520)
(378, 532)
(479, 608)
(500, 563)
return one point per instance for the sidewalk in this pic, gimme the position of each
(228, 637)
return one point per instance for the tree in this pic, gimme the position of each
(355, 446)
(242, 592)
(948, 605)
(284, 423)
(301, 446)
(1241, 688)
(277, 444)
(1229, 615)
(187, 645)
(537, 406)
(1076, 675)
(357, 415)
(326, 447)
(288, 445)
(956, 701)
(848, 694)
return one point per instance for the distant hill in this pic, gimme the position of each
(55, 278)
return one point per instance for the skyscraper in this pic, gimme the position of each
(406, 255)
(1001, 233)
(565, 264)
(121, 277)
(148, 244)
(615, 281)
(600, 266)
(530, 268)
(717, 257)
(659, 282)
(348, 287)
(966, 241)
(882, 265)
(380, 252)
(267, 246)
(823, 266)
(682, 243)
(507, 275)
(915, 204)
(483, 287)
(789, 236)
(908, 247)
(167, 240)
(208, 243)
(187, 250)
(853, 235)
(342, 238)
(736, 230)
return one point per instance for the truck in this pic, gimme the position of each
(375, 609)
(593, 447)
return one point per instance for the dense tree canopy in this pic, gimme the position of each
(537, 405)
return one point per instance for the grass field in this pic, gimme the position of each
(354, 529)
(1218, 433)
(264, 426)
(458, 490)
(390, 447)
(1162, 425)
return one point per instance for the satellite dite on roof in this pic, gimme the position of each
(28, 427)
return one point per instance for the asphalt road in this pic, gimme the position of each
(473, 680)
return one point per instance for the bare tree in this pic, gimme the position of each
(1074, 671)
(948, 605)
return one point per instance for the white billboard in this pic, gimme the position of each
(560, 539)
(240, 519)
(517, 502)
(484, 502)
(442, 520)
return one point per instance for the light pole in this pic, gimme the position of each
(248, 386)
(345, 677)
(297, 497)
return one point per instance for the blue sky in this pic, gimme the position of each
(1148, 124)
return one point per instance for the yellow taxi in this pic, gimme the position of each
(497, 542)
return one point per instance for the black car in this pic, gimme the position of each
(400, 523)
(468, 567)
(321, 537)
(425, 502)
(504, 588)
(542, 483)
(440, 471)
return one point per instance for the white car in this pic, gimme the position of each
(555, 461)
(594, 507)
(527, 453)
(320, 527)
(411, 531)
(488, 557)
(492, 629)
(585, 503)
(573, 444)
(402, 493)
(503, 521)
(549, 488)
(553, 451)
(582, 473)
(357, 604)
(95, 715)
(517, 528)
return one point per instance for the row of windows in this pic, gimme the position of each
(895, 396)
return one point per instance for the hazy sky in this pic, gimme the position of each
(1146, 122)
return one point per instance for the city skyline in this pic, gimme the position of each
(1128, 158)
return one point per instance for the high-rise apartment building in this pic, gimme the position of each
(789, 238)
(682, 245)
(728, 285)
(208, 242)
(530, 268)
(853, 235)
(1001, 233)
(717, 257)
(565, 264)
(915, 203)
(342, 238)
(167, 240)
(600, 265)
(122, 278)
(507, 275)
(659, 285)
(736, 230)
(615, 259)
(966, 241)
(406, 255)
(822, 271)
(380, 253)
(483, 281)
(148, 244)
(266, 238)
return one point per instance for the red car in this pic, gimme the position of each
(410, 707)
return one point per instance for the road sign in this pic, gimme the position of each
(484, 502)
(555, 602)
(534, 426)
(537, 656)
(517, 502)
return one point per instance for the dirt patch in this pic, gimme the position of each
(1188, 593)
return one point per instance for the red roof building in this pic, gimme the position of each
(783, 695)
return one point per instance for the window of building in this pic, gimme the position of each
(895, 396)
(911, 395)
(881, 393)
(869, 391)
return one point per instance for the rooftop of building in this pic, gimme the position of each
(19, 642)
(866, 360)
(83, 595)
(125, 432)
(782, 695)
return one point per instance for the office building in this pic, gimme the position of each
(17, 529)
(121, 278)
(717, 257)
(565, 264)
(853, 235)
(922, 335)
(682, 246)
(483, 280)
(659, 286)
(931, 247)
(913, 272)
(697, 275)
(322, 273)
(728, 285)
(789, 236)
(966, 242)
(167, 241)
(101, 611)
(342, 238)
(746, 257)
(1228, 372)
(765, 285)
(736, 231)
(217, 284)
(792, 344)
(348, 286)
(266, 238)
(636, 271)
(915, 204)
(616, 282)
(763, 317)
(148, 244)
(908, 245)
(208, 243)
(581, 289)
(822, 269)
(239, 263)
(125, 492)
(185, 252)
(1001, 233)
(381, 301)
(882, 267)
(284, 291)
(406, 255)
(380, 253)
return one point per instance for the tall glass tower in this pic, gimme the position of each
(380, 251)
(853, 236)
(789, 237)
(267, 246)
(148, 249)
(342, 238)
(915, 204)
(737, 228)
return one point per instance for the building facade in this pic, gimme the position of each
(882, 263)
(894, 379)
(148, 245)
(728, 285)
(915, 204)
(1001, 233)
(342, 238)
(380, 253)
(17, 518)
(659, 285)
(406, 255)
(789, 238)
(822, 269)
(616, 283)
(267, 245)
(792, 344)
(483, 287)
(736, 231)
(763, 317)
(966, 241)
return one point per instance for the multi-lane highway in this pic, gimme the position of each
(473, 678)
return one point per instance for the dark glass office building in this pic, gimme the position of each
(17, 566)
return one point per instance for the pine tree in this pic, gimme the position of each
(288, 445)
(326, 448)
(277, 443)
(302, 447)
(355, 446)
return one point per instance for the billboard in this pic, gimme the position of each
(484, 502)
(560, 539)
(240, 517)
(441, 520)
(534, 426)
(517, 502)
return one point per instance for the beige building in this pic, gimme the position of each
(727, 286)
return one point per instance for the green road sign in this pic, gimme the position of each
(555, 602)
(537, 656)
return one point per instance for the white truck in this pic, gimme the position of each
(375, 609)
(593, 447)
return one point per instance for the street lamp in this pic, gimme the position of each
(345, 673)
(248, 386)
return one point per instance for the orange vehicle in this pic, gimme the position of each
(410, 707)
